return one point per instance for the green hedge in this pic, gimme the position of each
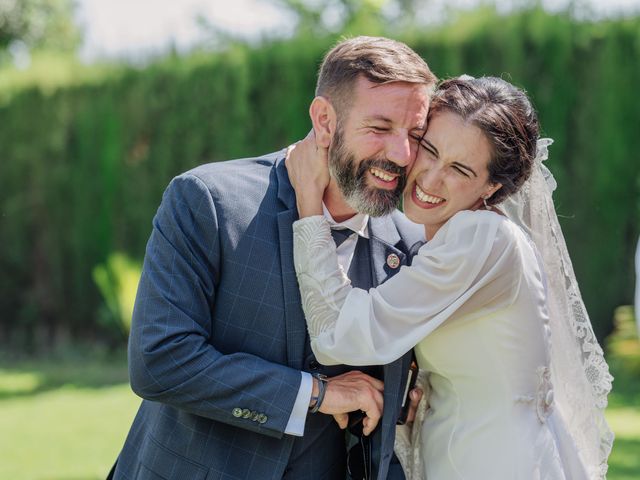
(83, 168)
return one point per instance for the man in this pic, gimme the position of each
(218, 347)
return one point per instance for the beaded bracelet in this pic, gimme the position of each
(322, 388)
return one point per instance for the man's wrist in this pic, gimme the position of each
(318, 392)
(314, 391)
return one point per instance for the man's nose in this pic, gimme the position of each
(400, 151)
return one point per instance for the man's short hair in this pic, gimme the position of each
(378, 59)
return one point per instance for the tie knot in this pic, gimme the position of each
(340, 235)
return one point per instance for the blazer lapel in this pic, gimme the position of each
(296, 326)
(383, 238)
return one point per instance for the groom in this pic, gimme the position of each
(218, 347)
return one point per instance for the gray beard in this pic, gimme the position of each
(352, 180)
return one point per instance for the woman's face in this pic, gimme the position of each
(450, 173)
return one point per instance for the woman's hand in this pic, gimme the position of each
(307, 165)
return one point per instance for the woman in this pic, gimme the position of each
(517, 380)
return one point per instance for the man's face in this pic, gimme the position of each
(376, 142)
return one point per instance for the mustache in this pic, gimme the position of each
(383, 164)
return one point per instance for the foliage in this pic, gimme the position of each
(84, 166)
(623, 346)
(622, 414)
(117, 279)
(38, 24)
(334, 16)
(51, 71)
(353, 17)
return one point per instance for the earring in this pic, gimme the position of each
(486, 205)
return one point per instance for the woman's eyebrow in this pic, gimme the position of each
(462, 165)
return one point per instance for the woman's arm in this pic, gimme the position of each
(307, 166)
(471, 265)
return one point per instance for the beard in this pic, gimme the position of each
(351, 178)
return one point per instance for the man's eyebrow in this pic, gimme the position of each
(378, 118)
(462, 165)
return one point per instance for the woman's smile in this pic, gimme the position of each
(426, 200)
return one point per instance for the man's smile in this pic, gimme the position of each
(384, 179)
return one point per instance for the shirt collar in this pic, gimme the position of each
(358, 223)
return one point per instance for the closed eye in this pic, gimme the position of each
(464, 169)
(459, 170)
(428, 146)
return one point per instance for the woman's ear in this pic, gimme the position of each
(324, 120)
(494, 188)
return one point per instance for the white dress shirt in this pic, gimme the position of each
(359, 225)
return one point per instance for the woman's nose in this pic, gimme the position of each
(430, 175)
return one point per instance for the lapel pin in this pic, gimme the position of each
(393, 261)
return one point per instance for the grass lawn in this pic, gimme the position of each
(623, 414)
(66, 418)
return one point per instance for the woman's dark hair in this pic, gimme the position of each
(507, 118)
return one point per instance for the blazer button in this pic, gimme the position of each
(262, 418)
(314, 365)
(246, 413)
(237, 412)
(254, 416)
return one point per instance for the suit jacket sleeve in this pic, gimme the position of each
(171, 354)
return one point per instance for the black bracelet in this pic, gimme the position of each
(322, 388)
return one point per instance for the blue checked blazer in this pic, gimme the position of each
(218, 333)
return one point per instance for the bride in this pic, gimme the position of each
(517, 381)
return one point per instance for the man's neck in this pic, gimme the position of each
(336, 204)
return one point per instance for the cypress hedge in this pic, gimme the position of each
(83, 167)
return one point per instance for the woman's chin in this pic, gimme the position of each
(418, 217)
(414, 218)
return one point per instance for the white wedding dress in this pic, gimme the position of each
(473, 304)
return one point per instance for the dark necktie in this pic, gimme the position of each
(340, 235)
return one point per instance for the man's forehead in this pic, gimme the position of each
(370, 89)
(407, 104)
(365, 84)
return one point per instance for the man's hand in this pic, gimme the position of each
(350, 392)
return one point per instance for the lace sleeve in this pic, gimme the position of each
(324, 286)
